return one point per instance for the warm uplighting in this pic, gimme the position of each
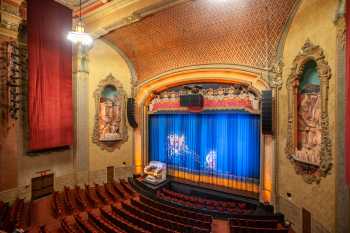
(79, 36)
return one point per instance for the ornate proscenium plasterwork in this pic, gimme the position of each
(313, 127)
(231, 97)
(110, 129)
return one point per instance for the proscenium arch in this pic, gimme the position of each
(146, 89)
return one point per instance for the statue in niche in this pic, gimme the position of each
(110, 124)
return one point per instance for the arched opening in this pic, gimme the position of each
(149, 89)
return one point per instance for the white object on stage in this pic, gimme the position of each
(156, 172)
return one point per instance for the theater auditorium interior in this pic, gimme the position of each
(159, 116)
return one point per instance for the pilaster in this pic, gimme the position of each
(342, 212)
(81, 106)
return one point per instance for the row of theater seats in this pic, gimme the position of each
(141, 214)
(17, 215)
(74, 200)
(232, 207)
(126, 217)
(160, 220)
(259, 224)
(171, 216)
(176, 210)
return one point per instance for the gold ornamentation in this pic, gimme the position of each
(309, 52)
(122, 131)
(341, 31)
(276, 80)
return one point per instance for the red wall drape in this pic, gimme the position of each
(50, 75)
(347, 89)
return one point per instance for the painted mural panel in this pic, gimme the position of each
(309, 116)
(110, 127)
(110, 115)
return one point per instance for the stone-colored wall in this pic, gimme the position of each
(104, 60)
(17, 168)
(314, 21)
(72, 179)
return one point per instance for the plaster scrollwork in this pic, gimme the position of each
(310, 172)
(276, 80)
(110, 130)
(341, 31)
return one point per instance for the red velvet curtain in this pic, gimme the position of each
(347, 100)
(50, 75)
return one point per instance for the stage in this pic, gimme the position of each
(201, 189)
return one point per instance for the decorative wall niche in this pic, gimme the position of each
(308, 141)
(110, 129)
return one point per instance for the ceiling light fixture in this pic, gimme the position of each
(78, 35)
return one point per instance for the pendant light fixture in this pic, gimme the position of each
(79, 36)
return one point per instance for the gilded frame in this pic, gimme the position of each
(309, 52)
(111, 145)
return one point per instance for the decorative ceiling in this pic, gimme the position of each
(243, 32)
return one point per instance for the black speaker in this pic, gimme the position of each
(194, 100)
(131, 112)
(266, 112)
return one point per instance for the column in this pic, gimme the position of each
(81, 110)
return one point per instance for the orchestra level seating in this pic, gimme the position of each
(123, 207)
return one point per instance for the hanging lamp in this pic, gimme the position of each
(78, 35)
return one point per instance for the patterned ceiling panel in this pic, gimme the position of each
(244, 32)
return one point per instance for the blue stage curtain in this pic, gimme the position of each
(215, 144)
